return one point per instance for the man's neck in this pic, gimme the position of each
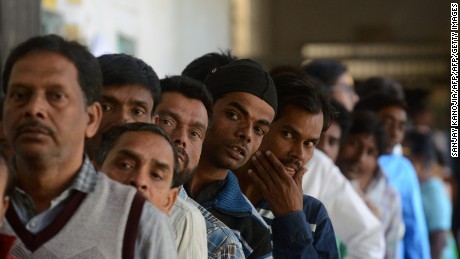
(246, 185)
(44, 181)
(205, 174)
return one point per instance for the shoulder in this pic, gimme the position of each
(154, 225)
(186, 213)
(319, 161)
(103, 181)
(314, 209)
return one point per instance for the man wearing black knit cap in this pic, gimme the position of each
(244, 106)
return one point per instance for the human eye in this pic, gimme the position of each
(352, 142)
(332, 141)
(286, 134)
(155, 175)
(56, 95)
(233, 115)
(195, 134)
(18, 95)
(260, 130)
(106, 107)
(125, 165)
(165, 122)
(138, 111)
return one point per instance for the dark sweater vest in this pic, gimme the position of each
(101, 224)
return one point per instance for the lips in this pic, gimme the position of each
(237, 152)
(292, 166)
(291, 171)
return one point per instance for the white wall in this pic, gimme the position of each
(168, 33)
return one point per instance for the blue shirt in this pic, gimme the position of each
(403, 177)
(222, 242)
(303, 234)
(226, 202)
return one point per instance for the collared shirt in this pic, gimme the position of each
(84, 181)
(222, 242)
(303, 234)
(401, 174)
(152, 220)
(226, 202)
(190, 229)
(387, 200)
(354, 223)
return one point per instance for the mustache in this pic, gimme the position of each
(33, 125)
(292, 161)
(184, 154)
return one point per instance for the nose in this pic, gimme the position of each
(139, 181)
(298, 152)
(361, 155)
(179, 136)
(36, 107)
(355, 97)
(245, 133)
(125, 116)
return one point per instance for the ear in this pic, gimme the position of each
(172, 197)
(94, 111)
(5, 204)
(155, 119)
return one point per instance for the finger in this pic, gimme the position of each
(258, 183)
(277, 165)
(298, 177)
(271, 170)
(262, 171)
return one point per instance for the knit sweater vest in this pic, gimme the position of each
(101, 224)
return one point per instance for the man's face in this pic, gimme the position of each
(144, 160)
(330, 141)
(358, 156)
(121, 105)
(344, 92)
(292, 138)
(394, 120)
(3, 180)
(45, 114)
(240, 120)
(186, 121)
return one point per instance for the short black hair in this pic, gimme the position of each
(9, 188)
(368, 122)
(327, 71)
(341, 116)
(379, 101)
(189, 88)
(200, 67)
(123, 69)
(110, 138)
(380, 85)
(421, 144)
(295, 90)
(89, 73)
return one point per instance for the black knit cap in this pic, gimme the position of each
(243, 75)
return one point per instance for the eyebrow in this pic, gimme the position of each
(131, 102)
(129, 154)
(176, 117)
(162, 166)
(245, 112)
